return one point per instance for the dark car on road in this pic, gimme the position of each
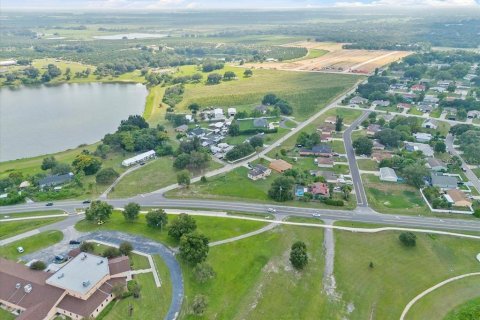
(74, 242)
(49, 204)
(86, 202)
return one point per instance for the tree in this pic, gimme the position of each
(269, 99)
(248, 73)
(346, 189)
(363, 145)
(125, 248)
(239, 151)
(133, 121)
(183, 224)
(234, 129)
(86, 163)
(131, 211)
(181, 161)
(476, 213)
(111, 252)
(98, 211)
(440, 147)
(118, 289)
(298, 255)
(389, 137)
(183, 178)
(38, 265)
(48, 163)
(256, 141)
(408, 239)
(199, 304)
(61, 168)
(194, 248)
(196, 77)
(203, 272)
(157, 219)
(194, 107)
(338, 124)
(229, 75)
(414, 174)
(87, 247)
(106, 176)
(214, 78)
(282, 189)
(284, 107)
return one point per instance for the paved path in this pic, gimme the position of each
(329, 284)
(424, 293)
(243, 236)
(354, 172)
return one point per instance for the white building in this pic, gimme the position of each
(422, 137)
(139, 158)
(430, 124)
(232, 112)
(388, 174)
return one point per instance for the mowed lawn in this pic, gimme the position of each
(31, 244)
(471, 307)
(367, 164)
(157, 174)
(306, 92)
(444, 300)
(395, 198)
(212, 227)
(255, 279)
(5, 315)
(11, 228)
(399, 273)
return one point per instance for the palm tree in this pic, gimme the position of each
(346, 189)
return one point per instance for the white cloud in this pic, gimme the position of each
(411, 3)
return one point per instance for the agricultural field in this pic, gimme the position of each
(336, 60)
(394, 198)
(307, 93)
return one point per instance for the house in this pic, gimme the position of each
(450, 110)
(139, 158)
(181, 129)
(438, 89)
(324, 161)
(422, 137)
(322, 150)
(300, 191)
(457, 198)
(409, 97)
(358, 100)
(55, 180)
(377, 145)
(330, 176)
(218, 114)
(443, 182)
(436, 164)
(380, 103)
(431, 99)
(280, 165)
(379, 156)
(404, 106)
(231, 112)
(424, 148)
(430, 124)
(387, 117)
(418, 87)
(331, 120)
(472, 114)
(259, 172)
(388, 174)
(197, 132)
(261, 108)
(326, 137)
(39, 295)
(327, 128)
(260, 123)
(189, 118)
(319, 189)
(444, 83)
(425, 107)
(373, 128)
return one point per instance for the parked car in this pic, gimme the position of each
(49, 204)
(59, 259)
(86, 201)
(20, 250)
(74, 242)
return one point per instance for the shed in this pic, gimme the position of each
(388, 174)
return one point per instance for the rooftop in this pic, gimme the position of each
(81, 274)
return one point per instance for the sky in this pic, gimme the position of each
(226, 4)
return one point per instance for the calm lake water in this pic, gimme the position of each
(41, 120)
(131, 36)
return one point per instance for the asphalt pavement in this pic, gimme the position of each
(468, 172)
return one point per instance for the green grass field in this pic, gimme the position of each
(415, 112)
(5, 315)
(11, 228)
(367, 164)
(399, 273)
(154, 175)
(468, 310)
(214, 228)
(31, 244)
(394, 198)
(306, 92)
(262, 284)
(445, 300)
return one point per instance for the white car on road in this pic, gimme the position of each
(272, 210)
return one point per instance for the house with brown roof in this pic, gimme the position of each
(379, 156)
(373, 128)
(80, 289)
(457, 198)
(319, 189)
(280, 165)
(327, 128)
(324, 161)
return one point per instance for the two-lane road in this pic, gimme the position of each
(468, 172)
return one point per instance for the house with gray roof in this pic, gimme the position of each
(443, 182)
(55, 180)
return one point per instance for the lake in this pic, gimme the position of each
(131, 36)
(46, 119)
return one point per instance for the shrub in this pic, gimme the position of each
(38, 265)
(204, 272)
(333, 202)
(408, 239)
(111, 252)
(106, 176)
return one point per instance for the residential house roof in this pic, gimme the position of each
(329, 176)
(260, 123)
(459, 196)
(181, 128)
(319, 188)
(444, 181)
(55, 180)
(374, 128)
(280, 165)
(258, 170)
(434, 162)
(387, 174)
